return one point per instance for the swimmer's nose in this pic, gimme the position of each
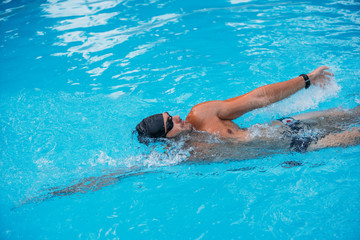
(176, 118)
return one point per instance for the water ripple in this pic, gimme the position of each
(84, 22)
(70, 8)
(98, 41)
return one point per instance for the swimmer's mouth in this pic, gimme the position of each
(184, 123)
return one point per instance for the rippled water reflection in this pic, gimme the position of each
(118, 47)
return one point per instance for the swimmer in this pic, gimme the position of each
(216, 118)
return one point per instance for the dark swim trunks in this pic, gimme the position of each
(300, 133)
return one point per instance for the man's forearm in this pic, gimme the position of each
(278, 91)
(235, 107)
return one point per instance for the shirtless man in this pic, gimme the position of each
(215, 117)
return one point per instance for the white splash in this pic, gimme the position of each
(103, 159)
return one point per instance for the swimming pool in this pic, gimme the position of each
(77, 76)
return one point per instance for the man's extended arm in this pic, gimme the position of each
(263, 96)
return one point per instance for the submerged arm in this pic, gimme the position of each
(89, 184)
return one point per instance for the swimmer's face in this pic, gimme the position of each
(179, 125)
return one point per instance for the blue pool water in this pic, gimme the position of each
(77, 76)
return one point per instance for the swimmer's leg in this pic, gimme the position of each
(331, 113)
(343, 139)
(336, 117)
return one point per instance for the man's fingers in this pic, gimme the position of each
(328, 73)
(323, 68)
(328, 80)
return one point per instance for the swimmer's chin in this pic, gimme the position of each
(188, 134)
(188, 131)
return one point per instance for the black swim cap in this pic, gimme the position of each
(153, 127)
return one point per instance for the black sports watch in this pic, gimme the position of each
(307, 80)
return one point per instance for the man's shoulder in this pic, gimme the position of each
(205, 109)
(202, 113)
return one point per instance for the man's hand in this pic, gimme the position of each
(320, 77)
